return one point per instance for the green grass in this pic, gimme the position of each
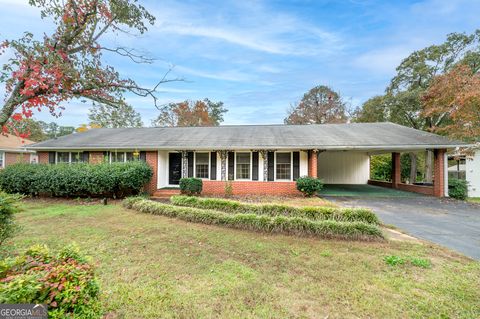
(157, 267)
(473, 200)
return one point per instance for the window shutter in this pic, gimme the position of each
(213, 166)
(271, 165)
(51, 157)
(190, 164)
(86, 156)
(255, 166)
(296, 165)
(231, 166)
(143, 156)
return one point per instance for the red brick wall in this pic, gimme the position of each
(380, 183)
(42, 157)
(95, 157)
(13, 158)
(421, 189)
(312, 163)
(251, 188)
(439, 173)
(152, 160)
(396, 170)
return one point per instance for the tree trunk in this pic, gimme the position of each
(413, 167)
(429, 167)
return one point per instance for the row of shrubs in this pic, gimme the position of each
(79, 180)
(270, 224)
(313, 213)
(65, 282)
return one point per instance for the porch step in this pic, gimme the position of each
(165, 193)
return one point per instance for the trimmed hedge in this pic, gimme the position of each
(76, 180)
(65, 282)
(309, 186)
(269, 224)
(191, 186)
(313, 213)
(458, 188)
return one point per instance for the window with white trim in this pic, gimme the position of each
(76, 157)
(201, 165)
(243, 165)
(2, 159)
(69, 157)
(121, 157)
(284, 165)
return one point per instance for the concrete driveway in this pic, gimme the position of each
(453, 224)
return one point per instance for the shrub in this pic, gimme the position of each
(65, 282)
(309, 186)
(8, 207)
(457, 188)
(191, 186)
(271, 224)
(394, 260)
(76, 180)
(313, 213)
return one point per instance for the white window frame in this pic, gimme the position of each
(275, 166)
(235, 166)
(195, 165)
(3, 157)
(124, 156)
(69, 157)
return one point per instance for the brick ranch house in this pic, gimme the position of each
(12, 150)
(256, 159)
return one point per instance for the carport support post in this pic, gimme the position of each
(396, 170)
(312, 163)
(439, 172)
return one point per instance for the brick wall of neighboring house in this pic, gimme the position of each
(95, 157)
(152, 160)
(251, 188)
(42, 157)
(13, 158)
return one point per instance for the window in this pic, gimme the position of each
(201, 165)
(284, 165)
(129, 156)
(2, 160)
(77, 157)
(243, 165)
(118, 157)
(63, 157)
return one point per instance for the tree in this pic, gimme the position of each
(86, 127)
(68, 63)
(114, 117)
(191, 113)
(53, 130)
(373, 110)
(318, 106)
(457, 95)
(27, 128)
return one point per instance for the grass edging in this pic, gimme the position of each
(314, 213)
(269, 224)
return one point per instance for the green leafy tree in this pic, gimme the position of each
(53, 130)
(114, 117)
(28, 128)
(318, 106)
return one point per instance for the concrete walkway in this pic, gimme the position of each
(451, 223)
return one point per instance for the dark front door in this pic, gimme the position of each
(174, 168)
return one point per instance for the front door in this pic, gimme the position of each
(174, 168)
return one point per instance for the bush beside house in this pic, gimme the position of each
(76, 180)
(309, 186)
(65, 282)
(191, 186)
(457, 188)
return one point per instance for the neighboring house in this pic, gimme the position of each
(12, 150)
(467, 168)
(255, 159)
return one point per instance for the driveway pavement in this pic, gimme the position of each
(453, 224)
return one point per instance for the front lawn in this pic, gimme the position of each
(153, 266)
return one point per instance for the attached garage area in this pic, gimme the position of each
(343, 167)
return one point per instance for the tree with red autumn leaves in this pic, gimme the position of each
(456, 96)
(68, 64)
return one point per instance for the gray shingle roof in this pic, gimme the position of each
(361, 136)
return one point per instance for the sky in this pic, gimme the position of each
(260, 57)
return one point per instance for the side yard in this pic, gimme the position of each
(154, 266)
